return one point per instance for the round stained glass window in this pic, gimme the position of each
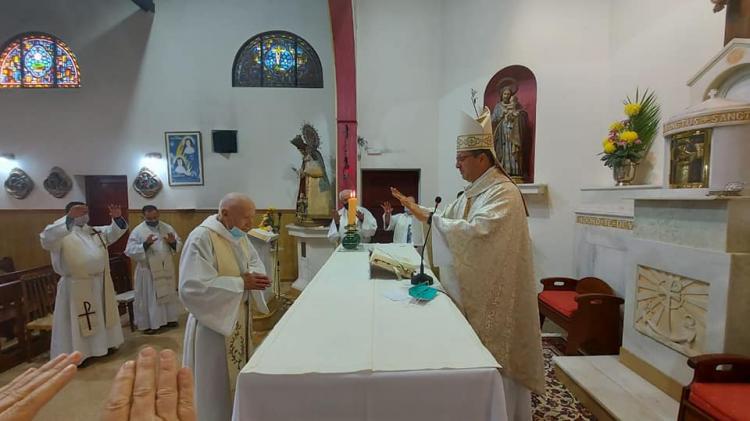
(279, 58)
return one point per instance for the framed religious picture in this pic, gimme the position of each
(184, 158)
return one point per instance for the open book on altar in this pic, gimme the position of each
(392, 262)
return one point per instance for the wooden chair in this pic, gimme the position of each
(587, 309)
(720, 389)
(12, 312)
(119, 266)
(39, 291)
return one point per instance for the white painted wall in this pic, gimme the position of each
(145, 74)
(399, 53)
(660, 45)
(418, 61)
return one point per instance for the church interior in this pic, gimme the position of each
(620, 127)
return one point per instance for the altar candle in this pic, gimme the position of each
(352, 215)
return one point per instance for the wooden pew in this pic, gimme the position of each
(12, 314)
(720, 388)
(587, 309)
(39, 291)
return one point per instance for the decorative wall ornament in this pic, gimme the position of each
(672, 309)
(58, 183)
(147, 183)
(19, 184)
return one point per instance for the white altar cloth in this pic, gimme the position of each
(344, 351)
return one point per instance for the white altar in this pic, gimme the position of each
(313, 250)
(356, 348)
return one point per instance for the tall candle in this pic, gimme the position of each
(352, 215)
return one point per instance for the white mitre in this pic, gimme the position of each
(476, 133)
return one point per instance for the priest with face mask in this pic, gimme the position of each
(151, 245)
(220, 275)
(86, 318)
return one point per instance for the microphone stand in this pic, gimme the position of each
(421, 277)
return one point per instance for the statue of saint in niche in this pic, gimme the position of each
(511, 130)
(315, 190)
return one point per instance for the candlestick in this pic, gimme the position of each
(352, 215)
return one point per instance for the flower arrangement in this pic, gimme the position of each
(631, 138)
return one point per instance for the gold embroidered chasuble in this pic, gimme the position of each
(487, 234)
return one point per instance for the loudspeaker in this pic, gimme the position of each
(224, 141)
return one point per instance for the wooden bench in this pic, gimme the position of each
(12, 313)
(587, 310)
(39, 291)
(720, 389)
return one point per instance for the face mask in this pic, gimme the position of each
(346, 206)
(237, 233)
(152, 223)
(81, 221)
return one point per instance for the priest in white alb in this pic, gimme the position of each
(86, 318)
(406, 229)
(151, 245)
(219, 273)
(481, 244)
(366, 223)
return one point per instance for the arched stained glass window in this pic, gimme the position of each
(277, 59)
(38, 60)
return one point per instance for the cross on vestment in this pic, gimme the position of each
(87, 312)
(737, 19)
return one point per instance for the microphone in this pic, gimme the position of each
(421, 277)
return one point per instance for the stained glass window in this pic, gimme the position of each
(277, 59)
(36, 60)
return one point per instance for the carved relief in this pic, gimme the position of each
(18, 184)
(147, 183)
(58, 183)
(672, 310)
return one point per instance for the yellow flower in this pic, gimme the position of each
(628, 136)
(616, 126)
(605, 141)
(609, 147)
(632, 109)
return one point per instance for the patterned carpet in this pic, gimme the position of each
(557, 404)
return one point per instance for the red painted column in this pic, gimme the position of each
(342, 27)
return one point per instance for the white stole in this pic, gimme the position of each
(239, 342)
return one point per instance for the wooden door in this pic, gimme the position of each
(102, 191)
(376, 186)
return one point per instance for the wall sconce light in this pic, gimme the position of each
(7, 162)
(151, 160)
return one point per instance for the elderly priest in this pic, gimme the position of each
(218, 269)
(86, 318)
(366, 223)
(489, 273)
(152, 244)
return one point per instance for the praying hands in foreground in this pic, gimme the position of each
(410, 204)
(153, 387)
(24, 396)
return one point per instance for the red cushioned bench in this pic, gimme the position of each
(587, 309)
(720, 389)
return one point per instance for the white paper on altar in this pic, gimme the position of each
(343, 316)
